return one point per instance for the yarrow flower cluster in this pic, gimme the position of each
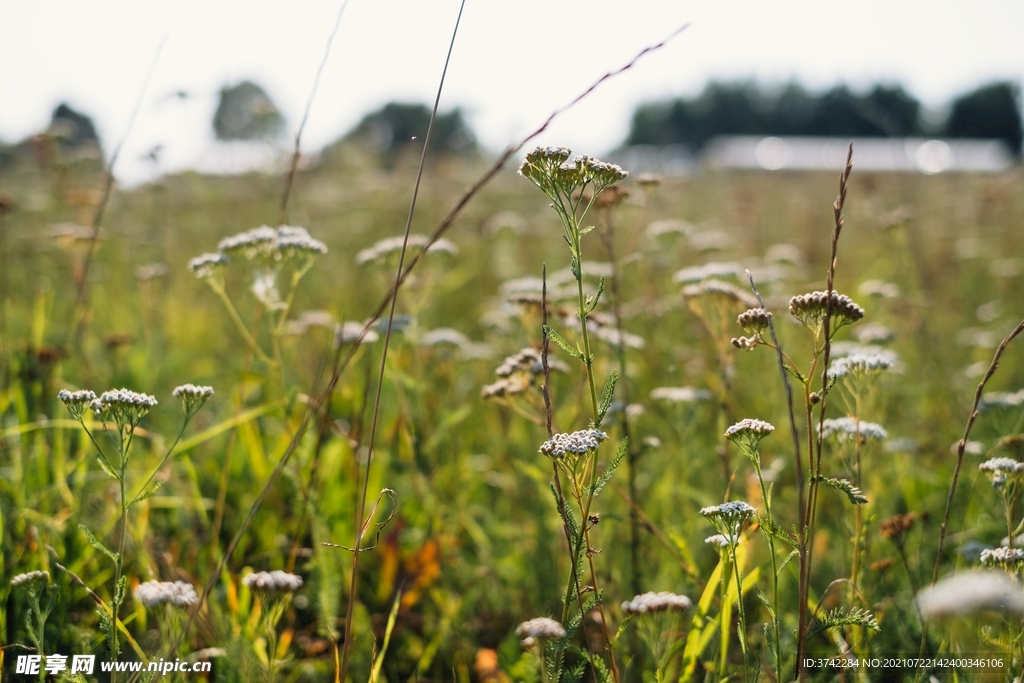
(1002, 470)
(124, 406)
(680, 394)
(656, 602)
(578, 442)
(755, 322)
(77, 401)
(721, 541)
(275, 581)
(749, 430)
(389, 245)
(1007, 558)
(811, 309)
(732, 513)
(207, 265)
(192, 397)
(860, 365)
(177, 593)
(846, 428)
(969, 593)
(541, 627)
(721, 291)
(31, 582)
(518, 372)
(549, 169)
(1002, 399)
(707, 271)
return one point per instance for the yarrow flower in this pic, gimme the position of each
(541, 627)
(811, 309)
(734, 512)
(749, 431)
(519, 372)
(549, 169)
(721, 540)
(1002, 399)
(251, 244)
(124, 406)
(754, 321)
(861, 365)
(578, 442)
(275, 581)
(707, 271)
(721, 291)
(680, 394)
(77, 401)
(1007, 558)
(656, 602)
(389, 245)
(846, 428)
(177, 593)
(31, 582)
(192, 397)
(971, 592)
(207, 265)
(1002, 470)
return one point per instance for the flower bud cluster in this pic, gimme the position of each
(550, 169)
(177, 593)
(192, 397)
(811, 309)
(77, 401)
(656, 602)
(1007, 558)
(734, 512)
(578, 443)
(31, 582)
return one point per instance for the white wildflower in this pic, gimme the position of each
(656, 602)
(177, 593)
(541, 627)
(970, 593)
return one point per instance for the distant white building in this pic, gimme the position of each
(909, 155)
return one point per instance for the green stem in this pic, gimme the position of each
(770, 535)
(237, 319)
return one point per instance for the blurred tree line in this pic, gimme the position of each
(992, 111)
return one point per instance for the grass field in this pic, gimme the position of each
(476, 544)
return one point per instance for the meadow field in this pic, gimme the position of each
(464, 540)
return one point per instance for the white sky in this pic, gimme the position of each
(514, 61)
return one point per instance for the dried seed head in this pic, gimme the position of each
(541, 628)
(811, 309)
(754, 321)
(897, 526)
(177, 593)
(649, 603)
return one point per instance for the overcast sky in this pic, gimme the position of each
(514, 61)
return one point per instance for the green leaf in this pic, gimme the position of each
(842, 617)
(855, 495)
(793, 371)
(146, 494)
(592, 300)
(105, 466)
(584, 231)
(787, 561)
(606, 396)
(562, 344)
(764, 600)
(610, 470)
(95, 543)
